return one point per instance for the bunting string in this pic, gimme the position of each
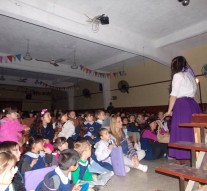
(39, 82)
(100, 74)
(10, 58)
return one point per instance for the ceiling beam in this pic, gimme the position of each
(113, 60)
(181, 35)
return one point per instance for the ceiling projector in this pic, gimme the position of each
(104, 20)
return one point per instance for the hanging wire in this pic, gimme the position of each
(143, 56)
(74, 65)
(123, 71)
(95, 23)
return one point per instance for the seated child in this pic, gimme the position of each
(60, 144)
(100, 116)
(103, 149)
(134, 131)
(60, 177)
(42, 126)
(34, 158)
(13, 147)
(141, 122)
(68, 130)
(124, 125)
(49, 157)
(82, 173)
(90, 133)
(7, 170)
(11, 129)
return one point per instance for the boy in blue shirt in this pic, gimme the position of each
(60, 178)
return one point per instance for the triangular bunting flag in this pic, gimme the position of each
(10, 58)
(18, 56)
(14, 57)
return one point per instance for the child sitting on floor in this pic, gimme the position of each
(134, 131)
(13, 147)
(49, 157)
(90, 133)
(7, 170)
(34, 156)
(100, 116)
(60, 178)
(10, 127)
(42, 126)
(60, 144)
(103, 149)
(82, 173)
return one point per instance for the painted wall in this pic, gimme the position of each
(140, 74)
(150, 72)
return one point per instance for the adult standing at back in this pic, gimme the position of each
(110, 108)
(182, 105)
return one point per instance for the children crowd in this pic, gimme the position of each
(79, 147)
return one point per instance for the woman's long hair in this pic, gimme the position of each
(178, 64)
(114, 132)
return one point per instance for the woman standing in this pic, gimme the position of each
(181, 105)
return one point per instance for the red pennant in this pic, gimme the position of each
(10, 58)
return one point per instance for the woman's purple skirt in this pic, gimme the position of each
(182, 113)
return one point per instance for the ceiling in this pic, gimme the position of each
(159, 30)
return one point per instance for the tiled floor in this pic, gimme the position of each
(136, 180)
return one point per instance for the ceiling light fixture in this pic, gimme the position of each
(123, 73)
(27, 56)
(74, 66)
(184, 2)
